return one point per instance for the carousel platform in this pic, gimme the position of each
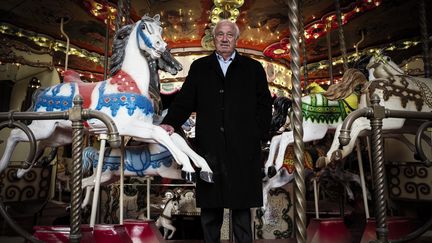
(227, 241)
(131, 231)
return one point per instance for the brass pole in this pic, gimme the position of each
(299, 180)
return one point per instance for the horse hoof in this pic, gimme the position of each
(189, 176)
(336, 156)
(206, 176)
(271, 171)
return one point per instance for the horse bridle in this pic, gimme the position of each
(380, 58)
(144, 37)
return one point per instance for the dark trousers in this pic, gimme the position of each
(212, 219)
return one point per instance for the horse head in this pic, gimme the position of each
(382, 66)
(149, 36)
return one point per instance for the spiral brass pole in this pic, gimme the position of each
(425, 39)
(299, 180)
(341, 36)
(303, 45)
(77, 149)
(380, 193)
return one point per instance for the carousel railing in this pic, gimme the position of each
(77, 115)
(376, 113)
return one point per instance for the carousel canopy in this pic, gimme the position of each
(367, 25)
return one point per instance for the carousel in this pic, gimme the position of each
(85, 84)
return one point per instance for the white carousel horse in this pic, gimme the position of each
(165, 219)
(334, 174)
(124, 97)
(396, 91)
(281, 178)
(148, 159)
(321, 112)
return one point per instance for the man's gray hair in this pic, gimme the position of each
(224, 21)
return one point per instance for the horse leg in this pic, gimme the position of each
(269, 167)
(158, 223)
(40, 131)
(165, 232)
(169, 226)
(282, 177)
(151, 133)
(206, 173)
(337, 154)
(286, 139)
(87, 184)
(312, 132)
(88, 190)
(41, 146)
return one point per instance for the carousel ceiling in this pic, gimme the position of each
(390, 24)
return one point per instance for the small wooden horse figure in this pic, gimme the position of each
(321, 112)
(124, 97)
(165, 219)
(396, 90)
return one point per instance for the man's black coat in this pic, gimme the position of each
(233, 113)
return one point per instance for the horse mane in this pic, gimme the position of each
(119, 45)
(34, 98)
(281, 106)
(350, 79)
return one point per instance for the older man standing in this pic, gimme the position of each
(230, 96)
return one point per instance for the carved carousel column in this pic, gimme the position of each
(77, 149)
(299, 179)
(379, 176)
(425, 39)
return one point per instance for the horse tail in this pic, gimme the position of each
(281, 107)
(350, 79)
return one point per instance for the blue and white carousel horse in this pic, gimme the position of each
(148, 159)
(125, 97)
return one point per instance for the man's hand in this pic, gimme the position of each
(168, 128)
